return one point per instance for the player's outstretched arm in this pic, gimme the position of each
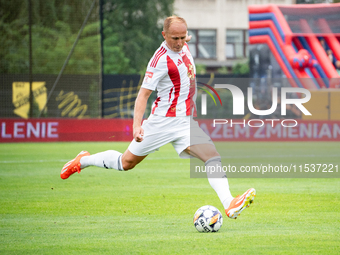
(140, 105)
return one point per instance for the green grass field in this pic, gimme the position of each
(149, 210)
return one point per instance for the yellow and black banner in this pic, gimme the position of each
(21, 93)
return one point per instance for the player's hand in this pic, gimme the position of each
(188, 37)
(138, 133)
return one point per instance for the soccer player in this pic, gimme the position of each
(171, 72)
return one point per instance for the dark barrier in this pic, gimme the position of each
(76, 96)
(119, 92)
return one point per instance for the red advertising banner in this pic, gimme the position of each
(271, 130)
(53, 130)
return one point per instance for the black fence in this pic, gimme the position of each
(81, 96)
(76, 96)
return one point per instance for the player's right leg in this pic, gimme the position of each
(204, 150)
(219, 182)
(239, 203)
(110, 159)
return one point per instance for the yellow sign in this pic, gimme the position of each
(324, 105)
(20, 98)
(72, 104)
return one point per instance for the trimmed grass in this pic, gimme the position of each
(149, 210)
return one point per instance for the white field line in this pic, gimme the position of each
(33, 161)
(163, 158)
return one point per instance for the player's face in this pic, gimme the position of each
(175, 37)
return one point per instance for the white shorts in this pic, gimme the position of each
(181, 132)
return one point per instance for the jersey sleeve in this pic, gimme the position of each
(154, 73)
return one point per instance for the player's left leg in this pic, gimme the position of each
(109, 159)
(73, 165)
(112, 159)
(157, 132)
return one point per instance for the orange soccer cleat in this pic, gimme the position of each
(239, 203)
(73, 166)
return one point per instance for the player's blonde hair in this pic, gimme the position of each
(172, 19)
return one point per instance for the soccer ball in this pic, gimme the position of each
(208, 219)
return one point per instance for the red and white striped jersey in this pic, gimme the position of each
(172, 75)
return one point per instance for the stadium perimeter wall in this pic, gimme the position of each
(114, 130)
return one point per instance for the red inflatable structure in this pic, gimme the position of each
(304, 39)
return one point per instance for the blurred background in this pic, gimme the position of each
(87, 58)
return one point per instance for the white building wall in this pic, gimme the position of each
(219, 15)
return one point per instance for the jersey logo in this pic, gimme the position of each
(179, 62)
(191, 74)
(148, 77)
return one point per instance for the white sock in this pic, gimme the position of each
(219, 181)
(107, 159)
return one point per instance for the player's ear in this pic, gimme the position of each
(163, 33)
